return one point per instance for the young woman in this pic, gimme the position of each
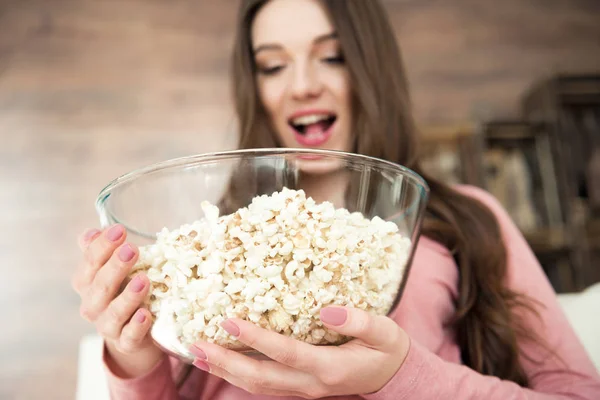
(478, 318)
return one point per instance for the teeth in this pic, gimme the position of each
(309, 119)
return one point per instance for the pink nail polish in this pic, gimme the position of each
(115, 233)
(90, 234)
(126, 253)
(198, 352)
(335, 316)
(231, 328)
(140, 317)
(201, 365)
(137, 284)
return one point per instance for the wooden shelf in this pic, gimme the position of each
(552, 240)
(445, 133)
(508, 130)
(593, 233)
(548, 240)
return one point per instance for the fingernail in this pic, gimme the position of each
(140, 317)
(90, 234)
(201, 365)
(115, 233)
(126, 253)
(196, 351)
(335, 316)
(231, 328)
(137, 284)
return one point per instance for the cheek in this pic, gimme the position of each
(339, 84)
(271, 93)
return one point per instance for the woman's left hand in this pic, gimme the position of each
(363, 365)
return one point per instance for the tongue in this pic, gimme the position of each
(316, 129)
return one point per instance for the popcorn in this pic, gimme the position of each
(294, 270)
(262, 304)
(276, 263)
(234, 286)
(280, 320)
(291, 304)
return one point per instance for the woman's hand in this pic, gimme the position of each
(107, 261)
(363, 365)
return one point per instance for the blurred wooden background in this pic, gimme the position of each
(91, 89)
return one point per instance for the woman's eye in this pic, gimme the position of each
(270, 70)
(334, 60)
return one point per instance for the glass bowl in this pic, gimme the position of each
(170, 194)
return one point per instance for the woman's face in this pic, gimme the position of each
(302, 79)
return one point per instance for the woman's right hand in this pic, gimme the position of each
(119, 317)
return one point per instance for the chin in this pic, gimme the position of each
(315, 164)
(319, 166)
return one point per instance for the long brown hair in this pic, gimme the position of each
(487, 328)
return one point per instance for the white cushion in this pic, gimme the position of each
(582, 311)
(91, 381)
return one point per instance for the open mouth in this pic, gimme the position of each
(311, 125)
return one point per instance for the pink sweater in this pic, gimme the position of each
(433, 369)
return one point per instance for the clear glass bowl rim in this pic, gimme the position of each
(262, 152)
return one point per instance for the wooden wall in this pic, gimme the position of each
(91, 89)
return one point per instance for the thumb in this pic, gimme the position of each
(376, 331)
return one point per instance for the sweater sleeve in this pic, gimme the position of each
(426, 376)
(156, 384)
(568, 374)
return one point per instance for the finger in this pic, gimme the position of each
(376, 331)
(242, 384)
(119, 311)
(134, 333)
(87, 237)
(108, 280)
(98, 252)
(77, 279)
(277, 347)
(264, 374)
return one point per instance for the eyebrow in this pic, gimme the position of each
(274, 46)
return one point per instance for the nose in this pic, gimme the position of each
(306, 83)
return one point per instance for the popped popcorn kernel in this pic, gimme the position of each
(275, 263)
